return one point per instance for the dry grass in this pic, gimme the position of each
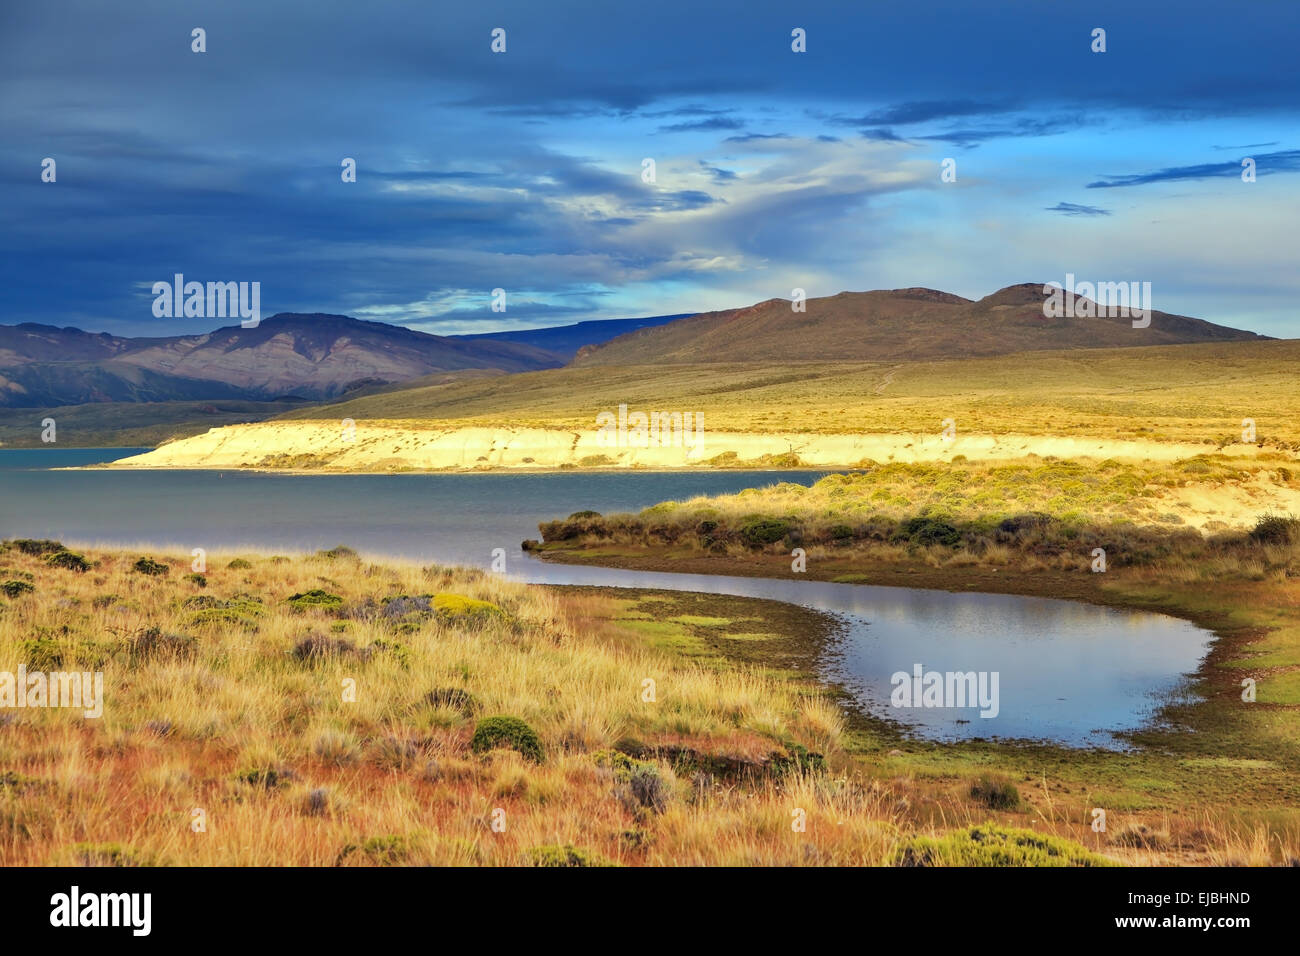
(243, 723)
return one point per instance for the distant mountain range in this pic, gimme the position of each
(317, 357)
(294, 356)
(893, 326)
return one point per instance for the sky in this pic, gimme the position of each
(524, 170)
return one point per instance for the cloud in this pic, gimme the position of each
(1074, 209)
(1286, 161)
(920, 112)
(970, 138)
(712, 123)
(882, 136)
(718, 173)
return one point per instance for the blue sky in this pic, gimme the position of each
(522, 170)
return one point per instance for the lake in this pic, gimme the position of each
(1065, 672)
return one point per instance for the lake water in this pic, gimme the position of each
(1066, 672)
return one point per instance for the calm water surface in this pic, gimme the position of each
(1067, 672)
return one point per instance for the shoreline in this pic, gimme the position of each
(1215, 679)
(312, 447)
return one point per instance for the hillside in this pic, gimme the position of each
(288, 355)
(567, 340)
(892, 326)
(1154, 404)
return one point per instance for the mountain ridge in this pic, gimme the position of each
(912, 324)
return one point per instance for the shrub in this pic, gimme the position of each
(508, 732)
(12, 589)
(927, 531)
(567, 855)
(1141, 837)
(758, 532)
(459, 606)
(35, 547)
(1276, 529)
(149, 566)
(995, 846)
(455, 698)
(197, 579)
(317, 646)
(315, 598)
(241, 610)
(109, 854)
(996, 793)
(43, 653)
(797, 757)
(154, 643)
(404, 604)
(239, 564)
(840, 532)
(646, 788)
(339, 551)
(381, 850)
(267, 778)
(68, 560)
(584, 514)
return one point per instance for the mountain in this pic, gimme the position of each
(295, 355)
(567, 340)
(893, 325)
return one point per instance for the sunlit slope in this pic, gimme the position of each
(1192, 393)
(896, 325)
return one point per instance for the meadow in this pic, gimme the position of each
(318, 709)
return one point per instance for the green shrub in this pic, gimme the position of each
(567, 855)
(926, 531)
(197, 579)
(12, 589)
(243, 610)
(996, 793)
(381, 850)
(340, 551)
(68, 560)
(239, 564)
(149, 566)
(35, 547)
(995, 846)
(508, 732)
(759, 532)
(457, 606)
(797, 757)
(43, 653)
(315, 598)
(584, 514)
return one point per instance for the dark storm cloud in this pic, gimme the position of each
(521, 169)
